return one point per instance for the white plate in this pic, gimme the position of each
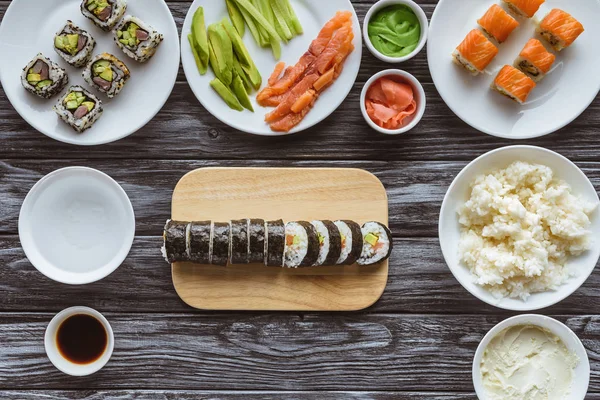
(458, 194)
(28, 28)
(313, 14)
(558, 99)
(76, 225)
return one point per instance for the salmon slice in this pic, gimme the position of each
(536, 54)
(288, 79)
(497, 23)
(273, 101)
(304, 101)
(285, 106)
(340, 19)
(276, 73)
(288, 122)
(476, 50)
(525, 8)
(336, 45)
(325, 80)
(513, 83)
(560, 29)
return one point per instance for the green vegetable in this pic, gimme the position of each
(236, 17)
(240, 92)
(253, 75)
(264, 36)
(44, 83)
(226, 95)
(240, 72)
(395, 31)
(252, 26)
(200, 36)
(89, 104)
(293, 18)
(201, 67)
(33, 78)
(238, 45)
(223, 51)
(280, 12)
(260, 20)
(67, 43)
(371, 238)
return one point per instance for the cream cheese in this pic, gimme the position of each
(527, 362)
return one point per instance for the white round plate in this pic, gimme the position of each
(558, 99)
(28, 28)
(313, 14)
(458, 194)
(76, 225)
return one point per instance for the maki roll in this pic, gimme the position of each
(74, 45)
(301, 245)
(79, 108)
(199, 241)
(524, 8)
(256, 238)
(175, 241)
(560, 29)
(274, 243)
(377, 243)
(238, 242)
(352, 242)
(43, 77)
(220, 244)
(137, 39)
(107, 74)
(513, 84)
(534, 60)
(330, 242)
(497, 23)
(475, 52)
(104, 13)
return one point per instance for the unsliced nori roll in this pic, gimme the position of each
(104, 13)
(43, 77)
(301, 244)
(352, 242)
(274, 243)
(137, 39)
(239, 242)
(107, 74)
(220, 244)
(175, 241)
(74, 45)
(256, 235)
(330, 242)
(199, 242)
(377, 243)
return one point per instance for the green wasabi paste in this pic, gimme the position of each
(395, 31)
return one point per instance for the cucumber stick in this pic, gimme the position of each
(251, 26)
(280, 12)
(293, 18)
(236, 17)
(260, 20)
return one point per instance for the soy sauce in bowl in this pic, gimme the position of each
(81, 339)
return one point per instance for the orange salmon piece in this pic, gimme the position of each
(335, 46)
(561, 25)
(514, 83)
(304, 101)
(325, 80)
(497, 23)
(535, 52)
(285, 106)
(525, 8)
(477, 50)
(288, 122)
(340, 19)
(276, 73)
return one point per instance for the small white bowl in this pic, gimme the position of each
(422, 20)
(581, 379)
(419, 98)
(76, 225)
(458, 194)
(65, 365)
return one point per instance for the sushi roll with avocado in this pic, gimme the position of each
(256, 241)
(377, 243)
(74, 45)
(352, 242)
(107, 74)
(43, 77)
(301, 245)
(239, 243)
(175, 241)
(137, 39)
(219, 240)
(330, 242)
(274, 243)
(105, 14)
(199, 241)
(79, 108)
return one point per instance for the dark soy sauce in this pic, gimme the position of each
(81, 339)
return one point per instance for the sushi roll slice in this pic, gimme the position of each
(274, 243)
(534, 60)
(74, 45)
(497, 23)
(475, 53)
(524, 8)
(330, 242)
(199, 241)
(301, 245)
(79, 108)
(256, 241)
(107, 74)
(137, 39)
(220, 244)
(513, 83)
(352, 242)
(43, 77)
(104, 13)
(174, 242)
(239, 242)
(560, 29)
(377, 243)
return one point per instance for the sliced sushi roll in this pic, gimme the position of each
(174, 241)
(560, 29)
(74, 45)
(256, 241)
(497, 23)
(137, 39)
(199, 241)
(377, 243)
(475, 53)
(534, 60)
(301, 245)
(274, 243)
(43, 77)
(513, 84)
(107, 74)
(352, 242)
(239, 242)
(524, 8)
(330, 242)
(220, 243)
(79, 108)
(104, 13)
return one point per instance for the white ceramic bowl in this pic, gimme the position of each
(582, 371)
(419, 98)
(458, 194)
(65, 365)
(76, 225)
(386, 3)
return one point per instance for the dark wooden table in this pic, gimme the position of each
(417, 342)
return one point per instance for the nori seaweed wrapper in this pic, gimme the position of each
(200, 242)
(175, 241)
(335, 243)
(357, 242)
(239, 241)
(313, 245)
(275, 243)
(220, 244)
(256, 233)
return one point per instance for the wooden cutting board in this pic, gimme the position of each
(223, 194)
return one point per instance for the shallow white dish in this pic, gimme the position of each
(313, 14)
(76, 225)
(561, 97)
(143, 96)
(581, 380)
(458, 194)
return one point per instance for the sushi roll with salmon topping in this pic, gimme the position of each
(377, 243)
(79, 109)
(137, 39)
(497, 23)
(301, 245)
(104, 13)
(524, 8)
(107, 74)
(513, 84)
(43, 77)
(475, 53)
(534, 60)
(352, 242)
(74, 45)
(560, 29)
(330, 242)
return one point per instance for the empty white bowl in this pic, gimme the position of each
(581, 379)
(458, 194)
(422, 20)
(76, 225)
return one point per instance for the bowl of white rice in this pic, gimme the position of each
(520, 228)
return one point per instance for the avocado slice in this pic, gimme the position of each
(223, 50)
(100, 66)
(240, 72)
(71, 97)
(237, 43)
(33, 78)
(72, 41)
(213, 61)
(226, 95)
(371, 239)
(201, 67)
(200, 36)
(240, 92)
(89, 104)
(72, 105)
(107, 75)
(253, 75)
(44, 83)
